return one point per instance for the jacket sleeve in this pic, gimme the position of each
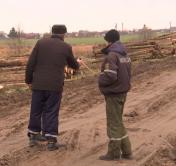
(108, 74)
(31, 65)
(71, 61)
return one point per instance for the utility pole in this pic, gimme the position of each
(122, 26)
(50, 28)
(116, 26)
(170, 23)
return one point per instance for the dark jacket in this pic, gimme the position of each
(45, 67)
(115, 71)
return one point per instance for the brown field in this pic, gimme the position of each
(82, 49)
(149, 116)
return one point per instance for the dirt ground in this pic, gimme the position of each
(150, 116)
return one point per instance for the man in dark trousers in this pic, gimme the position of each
(114, 83)
(45, 76)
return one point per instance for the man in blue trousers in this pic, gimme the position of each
(45, 76)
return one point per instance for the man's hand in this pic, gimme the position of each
(30, 86)
(80, 61)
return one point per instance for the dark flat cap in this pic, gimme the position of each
(59, 29)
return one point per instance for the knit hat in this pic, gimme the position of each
(59, 29)
(112, 36)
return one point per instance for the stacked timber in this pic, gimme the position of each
(12, 63)
(159, 47)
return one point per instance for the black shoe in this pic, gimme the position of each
(52, 146)
(41, 138)
(127, 156)
(32, 140)
(108, 157)
(35, 138)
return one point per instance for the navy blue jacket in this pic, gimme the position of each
(115, 71)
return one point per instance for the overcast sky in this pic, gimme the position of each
(40, 15)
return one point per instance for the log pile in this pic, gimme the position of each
(159, 47)
(12, 63)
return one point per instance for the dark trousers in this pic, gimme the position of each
(44, 113)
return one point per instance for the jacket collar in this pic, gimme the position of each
(117, 47)
(56, 37)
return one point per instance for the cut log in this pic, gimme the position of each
(1, 87)
(8, 63)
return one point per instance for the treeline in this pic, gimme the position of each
(20, 34)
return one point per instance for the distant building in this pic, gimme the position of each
(85, 33)
(3, 35)
(30, 35)
(173, 29)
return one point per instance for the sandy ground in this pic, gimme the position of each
(150, 119)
